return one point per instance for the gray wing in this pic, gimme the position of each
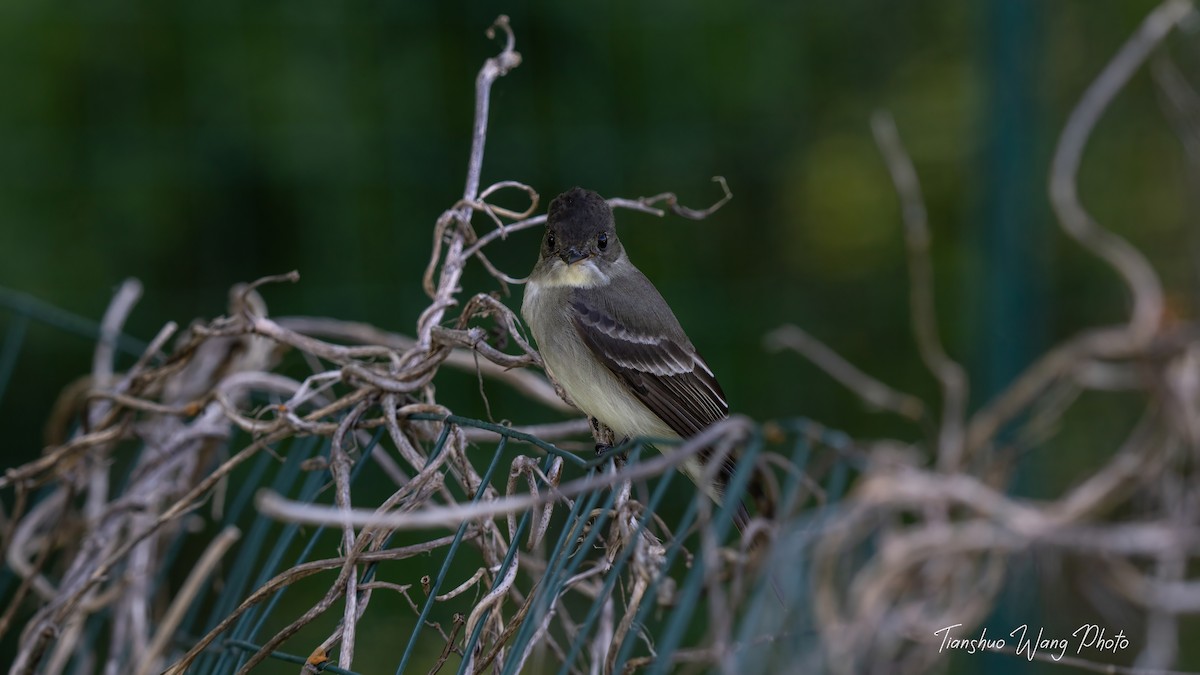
(660, 366)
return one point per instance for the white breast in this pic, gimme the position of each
(591, 385)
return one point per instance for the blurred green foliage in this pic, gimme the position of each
(195, 145)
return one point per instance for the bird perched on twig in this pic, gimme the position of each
(613, 344)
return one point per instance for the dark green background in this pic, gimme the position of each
(195, 145)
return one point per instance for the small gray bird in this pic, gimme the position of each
(612, 342)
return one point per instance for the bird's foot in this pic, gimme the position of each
(605, 448)
(605, 439)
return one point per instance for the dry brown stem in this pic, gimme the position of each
(944, 534)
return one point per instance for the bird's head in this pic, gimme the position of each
(580, 227)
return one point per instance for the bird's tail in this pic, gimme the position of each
(757, 492)
(741, 517)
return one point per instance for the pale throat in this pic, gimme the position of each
(583, 274)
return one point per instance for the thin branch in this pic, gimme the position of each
(950, 375)
(291, 576)
(275, 506)
(339, 466)
(204, 567)
(1128, 262)
(646, 205)
(118, 311)
(871, 390)
(452, 268)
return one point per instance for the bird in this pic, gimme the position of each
(612, 343)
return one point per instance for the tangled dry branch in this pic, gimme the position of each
(947, 534)
(185, 405)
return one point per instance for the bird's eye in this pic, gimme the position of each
(602, 241)
(549, 240)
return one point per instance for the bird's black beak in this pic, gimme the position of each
(572, 255)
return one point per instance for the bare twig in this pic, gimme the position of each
(275, 506)
(118, 311)
(1134, 269)
(187, 594)
(916, 235)
(868, 388)
(493, 69)
(339, 466)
